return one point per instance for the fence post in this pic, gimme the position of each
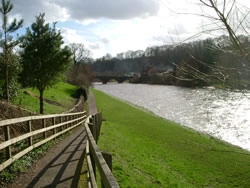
(99, 123)
(97, 126)
(94, 128)
(30, 130)
(61, 120)
(7, 137)
(54, 122)
(108, 158)
(70, 118)
(44, 126)
(67, 119)
(91, 127)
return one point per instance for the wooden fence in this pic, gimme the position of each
(95, 157)
(51, 126)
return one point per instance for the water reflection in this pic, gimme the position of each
(223, 114)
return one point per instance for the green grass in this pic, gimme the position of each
(149, 151)
(62, 93)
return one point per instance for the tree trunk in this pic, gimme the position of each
(7, 67)
(7, 83)
(41, 101)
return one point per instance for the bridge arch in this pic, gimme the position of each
(119, 79)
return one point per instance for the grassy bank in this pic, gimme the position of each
(61, 93)
(149, 151)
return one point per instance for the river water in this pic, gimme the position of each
(222, 114)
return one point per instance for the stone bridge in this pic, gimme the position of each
(119, 79)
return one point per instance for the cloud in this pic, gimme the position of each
(28, 9)
(78, 10)
(97, 47)
(113, 9)
(113, 26)
(105, 40)
(71, 36)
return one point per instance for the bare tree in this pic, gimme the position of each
(230, 17)
(80, 73)
(232, 67)
(80, 53)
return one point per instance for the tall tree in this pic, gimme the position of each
(43, 58)
(7, 43)
(80, 53)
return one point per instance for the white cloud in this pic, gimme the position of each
(73, 36)
(113, 26)
(28, 9)
(112, 9)
(85, 11)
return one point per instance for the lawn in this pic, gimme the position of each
(149, 151)
(62, 93)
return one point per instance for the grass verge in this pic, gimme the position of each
(62, 93)
(149, 151)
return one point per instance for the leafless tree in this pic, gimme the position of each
(80, 53)
(232, 19)
(80, 73)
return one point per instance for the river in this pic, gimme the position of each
(222, 114)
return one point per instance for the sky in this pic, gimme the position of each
(114, 26)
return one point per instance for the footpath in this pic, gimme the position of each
(62, 165)
(92, 104)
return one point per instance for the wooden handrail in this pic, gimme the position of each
(91, 173)
(72, 120)
(29, 118)
(95, 157)
(33, 133)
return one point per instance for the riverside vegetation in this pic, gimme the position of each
(149, 151)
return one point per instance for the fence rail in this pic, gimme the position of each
(55, 124)
(97, 158)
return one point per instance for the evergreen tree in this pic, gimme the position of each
(7, 43)
(43, 58)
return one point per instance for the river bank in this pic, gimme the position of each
(150, 151)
